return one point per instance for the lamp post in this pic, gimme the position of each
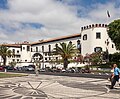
(107, 52)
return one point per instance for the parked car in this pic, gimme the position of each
(19, 68)
(42, 70)
(32, 66)
(9, 68)
(24, 68)
(29, 68)
(1, 68)
(85, 71)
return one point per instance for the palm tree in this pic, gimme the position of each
(4, 52)
(66, 51)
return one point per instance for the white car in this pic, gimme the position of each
(29, 68)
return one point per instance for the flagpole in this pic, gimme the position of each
(107, 40)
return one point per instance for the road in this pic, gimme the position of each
(86, 75)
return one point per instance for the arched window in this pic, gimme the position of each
(96, 49)
(85, 37)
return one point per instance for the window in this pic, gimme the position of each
(56, 45)
(23, 48)
(112, 46)
(17, 51)
(31, 49)
(85, 37)
(13, 50)
(45, 58)
(42, 48)
(96, 49)
(56, 58)
(98, 35)
(17, 60)
(79, 45)
(49, 53)
(36, 49)
(13, 60)
(18, 56)
(46, 54)
(49, 48)
(28, 48)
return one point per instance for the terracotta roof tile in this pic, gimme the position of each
(55, 39)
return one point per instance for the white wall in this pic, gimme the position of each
(91, 42)
(25, 55)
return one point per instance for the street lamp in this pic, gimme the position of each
(107, 52)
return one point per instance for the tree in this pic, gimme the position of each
(4, 52)
(12, 64)
(66, 51)
(114, 32)
(79, 58)
(94, 58)
(115, 57)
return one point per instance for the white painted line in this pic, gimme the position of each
(108, 90)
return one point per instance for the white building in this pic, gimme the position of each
(91, 39)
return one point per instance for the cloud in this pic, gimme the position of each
(53, 18)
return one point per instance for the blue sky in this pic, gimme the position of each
(3, 4)
(43, 19)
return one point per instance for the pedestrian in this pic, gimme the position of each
(112, 74)
(115, 77)
(36, 69)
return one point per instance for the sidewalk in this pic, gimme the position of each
(56, 87)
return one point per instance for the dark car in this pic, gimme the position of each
(1, 68)
(9, 68)
(85, 71)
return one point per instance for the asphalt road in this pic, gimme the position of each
(86, 75)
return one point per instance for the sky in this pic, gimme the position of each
(34, 20)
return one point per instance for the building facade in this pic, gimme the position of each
(91, 39)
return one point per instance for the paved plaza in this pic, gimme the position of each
(56, 87)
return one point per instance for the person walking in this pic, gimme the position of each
(112, 74)
(115, 76)
(36, 69)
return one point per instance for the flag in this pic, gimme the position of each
(108, 14)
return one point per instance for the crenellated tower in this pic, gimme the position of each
(94, 38)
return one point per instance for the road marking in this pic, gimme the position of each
(108, 90)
